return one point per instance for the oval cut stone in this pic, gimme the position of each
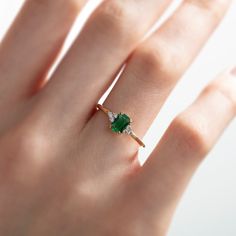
(120, 123)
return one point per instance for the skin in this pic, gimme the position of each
(62, 171)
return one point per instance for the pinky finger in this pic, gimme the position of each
(187, 141)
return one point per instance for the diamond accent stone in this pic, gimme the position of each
(128, 130)
(112, 116)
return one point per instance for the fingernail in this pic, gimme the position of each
(233, 71)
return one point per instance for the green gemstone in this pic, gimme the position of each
(120, 123)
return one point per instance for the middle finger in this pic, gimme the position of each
(107, 39)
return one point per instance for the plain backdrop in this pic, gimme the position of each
(208, 208)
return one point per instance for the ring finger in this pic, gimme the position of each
(156, 66)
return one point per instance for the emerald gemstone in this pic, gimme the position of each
(120, 123)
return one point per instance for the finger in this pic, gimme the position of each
(102, 47)
(31, 45)
(186, 142)
(158, 63)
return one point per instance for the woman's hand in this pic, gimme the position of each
(62, 171)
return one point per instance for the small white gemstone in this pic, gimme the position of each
(111, 116)
(128, 130)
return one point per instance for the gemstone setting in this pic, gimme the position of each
(128, 130)
(120, 123)
(112, 116)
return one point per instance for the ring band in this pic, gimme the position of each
(120, 123)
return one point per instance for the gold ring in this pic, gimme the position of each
(120, 123)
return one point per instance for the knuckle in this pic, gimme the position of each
(156, 60)
(149, 60)
(23, 149)
(29, 141)
(226, 92)
(114, 9)
(216, 8)
(191, 134)
(28, 144)
(117, 17)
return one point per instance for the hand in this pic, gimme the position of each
(62, 170)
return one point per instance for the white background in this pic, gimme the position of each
(208, 207)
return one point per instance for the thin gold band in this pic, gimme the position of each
(132, 134)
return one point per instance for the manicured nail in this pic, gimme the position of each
(233, 71)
